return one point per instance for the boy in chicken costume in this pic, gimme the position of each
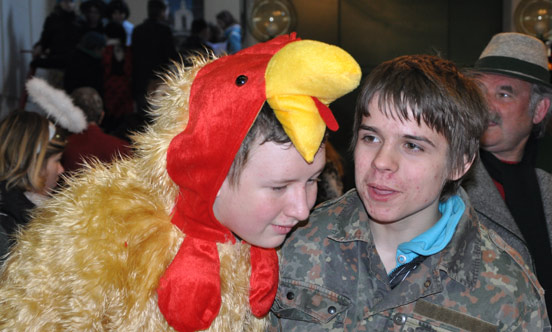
(140, 245)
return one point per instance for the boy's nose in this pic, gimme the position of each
(385, 160)
(298, 206)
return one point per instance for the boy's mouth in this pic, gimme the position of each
(283, 229)
(380, 193)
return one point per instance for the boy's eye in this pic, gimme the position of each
(370, 139)
(413, 146)
(314, 180)
(279, 188)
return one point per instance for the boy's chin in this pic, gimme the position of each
(268, 243)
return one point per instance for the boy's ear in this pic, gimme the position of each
(541, 110)
(458, 173)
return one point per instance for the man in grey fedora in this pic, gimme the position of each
(509, 194)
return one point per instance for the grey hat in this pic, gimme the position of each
(516, 55)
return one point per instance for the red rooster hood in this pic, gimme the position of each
(225, 98)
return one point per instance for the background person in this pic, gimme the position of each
(85, 67)
(30, 154)
(60, 34)
(510, 195)
(198, 41)
(117, 82)
(152, 51)
(92, 143)
(118, 12)
(232, 31)
(92, 14)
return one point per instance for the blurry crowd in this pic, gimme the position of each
(96, 46)
(107, 67)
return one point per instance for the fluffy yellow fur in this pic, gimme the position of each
(92, 257)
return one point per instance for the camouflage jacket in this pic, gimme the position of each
(332, 279)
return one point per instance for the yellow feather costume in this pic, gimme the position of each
(93, 256)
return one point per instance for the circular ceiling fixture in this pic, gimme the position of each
(271, 18)
(534, 17)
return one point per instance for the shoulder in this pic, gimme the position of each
(344, 205)
(544, 177)
(497, 283)
(331, 218)
(140, 28)
(503, 268)
(4, 240)
(235, 30)
(15, 206)
(127, 25)
(545, 183)
(486, 199)
(332, 223)
(478, 182)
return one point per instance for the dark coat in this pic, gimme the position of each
(152, 48)
(4, 244)
(494, 214)
(84, 70)
(14, 213)
(59, 37)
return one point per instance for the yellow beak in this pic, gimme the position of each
(296, 74)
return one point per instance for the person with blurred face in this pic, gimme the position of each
(232, 31)
(118, 12)
(153, 49)
(511, 195)
(60, 34)
(404, 249)
(30, 154)
(92, 14)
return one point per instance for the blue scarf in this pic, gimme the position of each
(437, 237)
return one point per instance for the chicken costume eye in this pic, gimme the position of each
(241, 80)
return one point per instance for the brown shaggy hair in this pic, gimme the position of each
(25, 147)
(429, 89)
(266, 128)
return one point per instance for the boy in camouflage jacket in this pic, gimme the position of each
(404, 250)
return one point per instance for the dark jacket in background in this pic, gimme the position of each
(60, 35)
(84, 69)
(14, 213)
(152, 49)
(494, 214)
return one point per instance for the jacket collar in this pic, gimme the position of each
(358, 229)
(489, 203)
(460, 259)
